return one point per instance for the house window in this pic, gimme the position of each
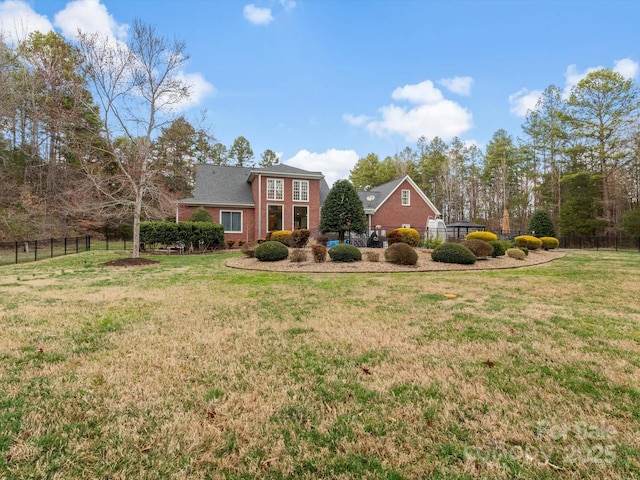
(301, 191)
(275, 189)
(406, 198)
(231, 221)
(300, 217)
(275, 217)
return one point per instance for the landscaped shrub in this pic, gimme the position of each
(550, 243)
(431, 243)
(529, 241)
(480, 248)
(271, 251)
(516, 253)
(298, 255)
(372, 256)
(249, 249)
(282, 236)
(319, 253)
(453, 253)
(486, 236)
(322, 239)
(499, 247)
(410, 236)
(231, 243)
(541, 224)
(202, 235)
(300, 238)
(401, 254)
(525, 250)
(345, 253)
(200, 214)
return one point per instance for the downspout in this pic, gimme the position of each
(259, 206)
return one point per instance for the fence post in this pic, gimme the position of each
(17, 249)
(88, 242)
(65, 245)
(51, 248)
(35, 250)
(76, 244)
(106, 238)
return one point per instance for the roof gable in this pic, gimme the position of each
(373, 199)
(221, 185)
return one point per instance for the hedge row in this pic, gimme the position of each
(206, 234)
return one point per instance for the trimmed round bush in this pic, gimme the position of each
(515, 253)
(480, 248)
(271, 251)
(499, 247)
(550, 243)
(453, 253)
(300, 238)
(345, 253)
(486, 236)
(200, 214)
(528, 241)
(410, 236)
(401, 254)
(298, 255)
(319, 253)
(282, 236)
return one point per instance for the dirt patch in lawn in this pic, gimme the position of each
(425, 263)
(130, 262)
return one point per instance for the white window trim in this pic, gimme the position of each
(241, 220)
(293, 191)
(276, 181)
(281, 215)
(293, 214)
(408, 203)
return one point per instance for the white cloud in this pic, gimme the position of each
(200, 89)
(257, 15)
(626, 67)
(459, 85)
(524, 100)
(433, 115)
(18, 20)
(288, 4)
(89, 16)
(334, 164)
(356, 120)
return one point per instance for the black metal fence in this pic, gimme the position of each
(601, 242)
(34, 250)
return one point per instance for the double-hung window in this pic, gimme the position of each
(300, 190)
(406, 198)
(231, 221)
(275, 189)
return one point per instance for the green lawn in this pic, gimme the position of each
(188, 369)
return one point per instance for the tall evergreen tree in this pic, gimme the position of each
(342, 211)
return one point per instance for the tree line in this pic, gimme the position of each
(90, 137)
(578, 159)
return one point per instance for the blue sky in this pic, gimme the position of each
(325, 82)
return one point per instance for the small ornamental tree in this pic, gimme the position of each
(342, 211)
(200, 214)
(541, 225)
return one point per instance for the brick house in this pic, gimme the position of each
(251, 201)
(398, 203)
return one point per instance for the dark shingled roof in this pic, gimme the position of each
(224, 185)
(221, 185)
(380, 193)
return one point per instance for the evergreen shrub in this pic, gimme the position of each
(282, 236)
(430, 243)
(271, 251)
(550, 243)
(486, 236)
(541, 223)
(200, 214)
(319, 253)
(528, 241)
(515, 253)
(500, 247)
(345, 253)
(453, 253)
(480, 248)
(401, 254)
(410, 236)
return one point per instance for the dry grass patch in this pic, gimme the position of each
(188, 369)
